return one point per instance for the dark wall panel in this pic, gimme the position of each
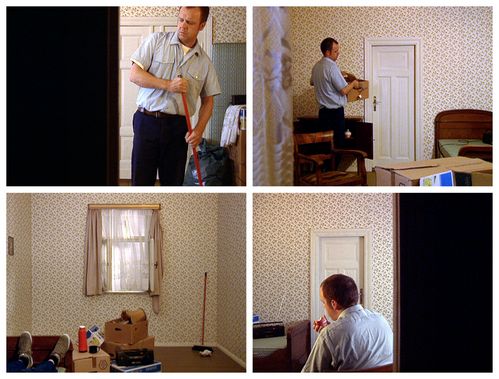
(61, 95)
(446, 282)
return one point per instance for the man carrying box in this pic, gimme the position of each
(331, 90)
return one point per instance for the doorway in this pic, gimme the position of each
(342, 251)
(393, 68)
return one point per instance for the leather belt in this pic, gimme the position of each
(157, 114)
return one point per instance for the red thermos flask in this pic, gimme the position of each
(82, 339)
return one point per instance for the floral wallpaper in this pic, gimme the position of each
(282, 225)
(229, 23)
(231, 265)
(191, 236)
(18, 266)
(456, 50)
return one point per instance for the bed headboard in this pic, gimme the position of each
(461, 123)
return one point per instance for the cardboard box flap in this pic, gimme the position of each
(475, 167)
(409, 165)
(417, 173)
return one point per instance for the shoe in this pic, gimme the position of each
(61, 348)
(25, 342)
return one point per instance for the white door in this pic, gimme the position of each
(133, 30)
(393, 69)
(393, 103)
(339, 252)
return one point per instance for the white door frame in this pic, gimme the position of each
(369, 43)
(316, 236)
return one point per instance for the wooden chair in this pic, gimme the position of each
(41, 348)
(318, 175)
(385, 368)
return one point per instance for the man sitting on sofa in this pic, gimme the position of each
(24, 361)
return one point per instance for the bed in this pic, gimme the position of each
(462, 132)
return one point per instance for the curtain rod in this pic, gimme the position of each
(124, 206)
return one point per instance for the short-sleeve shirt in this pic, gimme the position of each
(359, 339)
(328, 83)
(161, 55)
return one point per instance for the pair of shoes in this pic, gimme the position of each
(60, 349)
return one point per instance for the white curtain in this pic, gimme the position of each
(127, 233)
(272, 98)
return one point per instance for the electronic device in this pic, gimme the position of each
(134, 357)
(268, 329)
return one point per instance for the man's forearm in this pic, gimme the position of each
(144, 79)
(205, 112)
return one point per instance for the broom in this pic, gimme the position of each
(202, 347)
(189, 128)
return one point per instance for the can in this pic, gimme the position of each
(82, 339)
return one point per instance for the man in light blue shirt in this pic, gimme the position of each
(165, 66)
(331, 89)
(357, 339)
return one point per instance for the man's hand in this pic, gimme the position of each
(178, 85)
(320, 324)
(194, 139)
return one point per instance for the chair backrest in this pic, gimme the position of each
(311, 138)
(385, 368)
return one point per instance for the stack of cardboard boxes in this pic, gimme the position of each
(122, 334)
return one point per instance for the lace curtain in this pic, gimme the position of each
(272, 98)
(126, 242)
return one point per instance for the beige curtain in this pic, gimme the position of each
(93, 253)
(272, 98)
(156, 234)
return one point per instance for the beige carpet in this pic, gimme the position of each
(184, 359)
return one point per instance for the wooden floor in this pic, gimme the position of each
(184, 359)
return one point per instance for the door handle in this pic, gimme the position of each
(375, 102)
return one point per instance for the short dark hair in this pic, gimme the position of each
(340, 288)
(327, 44)
(205, 12)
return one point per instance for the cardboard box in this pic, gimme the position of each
(409, 173)
(481, 179)
(153, 367)
(86, 362)
(359, 94)
(237, 154)
(116, 331)
(112, 347)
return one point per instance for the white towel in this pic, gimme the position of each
(230, 128)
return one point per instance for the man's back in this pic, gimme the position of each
(328, 82)
(359, 339)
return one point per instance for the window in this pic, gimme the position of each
(127, 250)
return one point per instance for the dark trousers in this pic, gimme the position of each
(20, 366)
(334, 119)
(158, 146)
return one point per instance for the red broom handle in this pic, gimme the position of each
(189, 128)
(204, 307)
